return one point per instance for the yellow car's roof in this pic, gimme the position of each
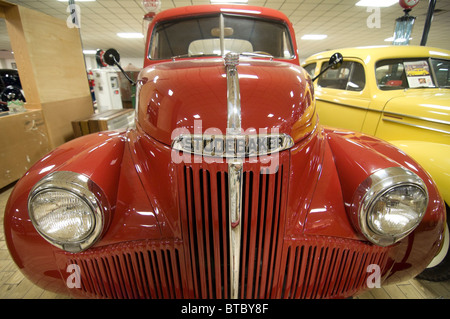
(375, 53)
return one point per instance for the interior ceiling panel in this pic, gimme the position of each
(345, 24)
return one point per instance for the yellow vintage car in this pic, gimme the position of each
(417, 72)
(400, 94)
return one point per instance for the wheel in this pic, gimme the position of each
(439, 268)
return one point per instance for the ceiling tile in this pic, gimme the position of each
(343, 22)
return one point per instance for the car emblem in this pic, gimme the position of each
(232, 145)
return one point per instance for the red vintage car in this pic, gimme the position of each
(228, 187)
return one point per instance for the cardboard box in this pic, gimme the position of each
(105, 121)
(23, 141)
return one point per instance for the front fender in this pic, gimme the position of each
(411, 255)
(434, 157)
(98, 156)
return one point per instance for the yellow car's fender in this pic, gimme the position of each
(434, 157)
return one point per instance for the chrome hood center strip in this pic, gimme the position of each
(235, 171)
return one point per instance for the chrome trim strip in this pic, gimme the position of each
(386, 113)
(222, 35)
(235, 174)
(347, 105)
(417, 126)
(417, 118)
(232, 146)
(235, 169)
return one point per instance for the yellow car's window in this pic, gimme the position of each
(391, 75)
(310, 68)
(399, 74)
(442, 70)
(350, 76)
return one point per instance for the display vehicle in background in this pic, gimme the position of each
(400, 94)
(228, 187)
(10, 88)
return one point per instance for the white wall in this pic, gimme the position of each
(6, 63)
(90, 62)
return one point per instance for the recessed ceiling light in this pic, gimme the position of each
(229, 1)
(130, 35)
(314, 37)
(89, 52)
(376, 3)
(398, 40)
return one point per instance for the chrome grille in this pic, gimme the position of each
(203, 195)
(325, 267)
(132, 271)
(197, 265)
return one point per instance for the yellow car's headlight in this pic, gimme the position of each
(389, 205)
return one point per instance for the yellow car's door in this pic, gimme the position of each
(342, 97)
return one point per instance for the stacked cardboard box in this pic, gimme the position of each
(105, 121)
(23, 141)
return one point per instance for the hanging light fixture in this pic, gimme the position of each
(404, 24)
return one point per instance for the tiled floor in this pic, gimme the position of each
(14, 286)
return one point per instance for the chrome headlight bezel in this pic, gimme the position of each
(77, 186)
(371, 190)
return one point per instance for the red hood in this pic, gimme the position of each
(188, 94)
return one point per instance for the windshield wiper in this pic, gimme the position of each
(187, 55)
(258, 54)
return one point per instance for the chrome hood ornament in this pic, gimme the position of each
(233, 94)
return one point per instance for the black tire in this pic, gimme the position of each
(440, 272)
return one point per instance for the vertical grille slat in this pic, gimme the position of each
(198, 218)
(246, 205)
(209, 256)
(150, 274)
(261, 216)
(216, 238)
(252, 233)
(275, 231)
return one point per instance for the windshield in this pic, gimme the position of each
(219, 34)
(400, 74)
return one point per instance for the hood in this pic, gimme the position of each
(191, 95)
(433, 104)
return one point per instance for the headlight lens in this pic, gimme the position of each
(65, 211)
(62, 215)
(391, 203)
(398, 210)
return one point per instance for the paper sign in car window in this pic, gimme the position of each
(418, 74)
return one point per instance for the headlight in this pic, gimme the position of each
(65, 210)
(389, 204)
